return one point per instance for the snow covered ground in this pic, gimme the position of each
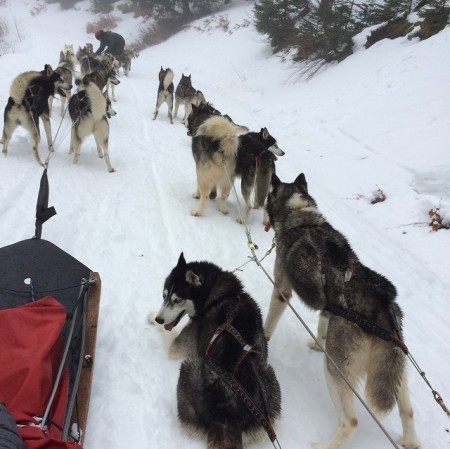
(379, 120)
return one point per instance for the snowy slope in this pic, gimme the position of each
(378, 120)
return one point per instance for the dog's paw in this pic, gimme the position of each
(196, 195)
(196, 213)
(312, 344)
(409, 442)
(151, 317)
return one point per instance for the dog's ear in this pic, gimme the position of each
(193, 279)
(275, 181)
(48, 70)
(61, 54)
(301, 183)
(265, 134)
(181, 261)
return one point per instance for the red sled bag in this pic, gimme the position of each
(30, 356)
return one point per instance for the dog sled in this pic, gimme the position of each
(49, 304)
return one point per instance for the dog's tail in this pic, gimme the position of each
(386, 369)
(265, 166)
(168, 78)
(220, 129)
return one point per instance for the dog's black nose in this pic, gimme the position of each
(159, 320)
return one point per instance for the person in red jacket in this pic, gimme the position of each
(110, 42)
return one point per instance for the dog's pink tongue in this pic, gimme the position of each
(169, 327)
(267, 227)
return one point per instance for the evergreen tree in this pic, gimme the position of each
(279, 20)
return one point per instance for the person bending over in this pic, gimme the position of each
(110, 42)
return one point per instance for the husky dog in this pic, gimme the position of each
(214, 148)
(66, 69)
(255, 164)
(165, 92)
(199, 115)
(89, 111)
(125, 59)
(105, 66)
(87, 50)
(317, 262)
(225, 353)
(104, 76)
(186, 94)
(28, 101)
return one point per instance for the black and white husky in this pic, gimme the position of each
(360, 320)
(165, 92)
(89, 110)
(66, 69)
(226, 388)
(29, 101)
(255, 163)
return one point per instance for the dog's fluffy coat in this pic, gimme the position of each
(214, 148)
(165, 92)
(29, 101)
(317, 262)
(214, 298)
(88, 110)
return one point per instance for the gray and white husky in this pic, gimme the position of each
(187, 95)
(165, 92)
(89, 110)
(28, 101)
(316, 261)
(226, 388)
(66, 69)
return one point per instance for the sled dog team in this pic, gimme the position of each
(227, 389)
(31, 98)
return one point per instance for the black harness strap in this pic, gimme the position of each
(366, 324)
(230, 379)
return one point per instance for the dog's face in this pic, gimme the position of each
(270, 142)
(68, 49)
(284, 197)
(112, 77)
(60, 85)
(178, 295)
(185, 80)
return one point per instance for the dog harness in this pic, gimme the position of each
(230, 377)
(346, 311)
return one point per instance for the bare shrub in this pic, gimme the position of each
(158, 32)
(437, 221)
(106, 22)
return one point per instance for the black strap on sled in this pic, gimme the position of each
(43, 212)
(230, 377)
